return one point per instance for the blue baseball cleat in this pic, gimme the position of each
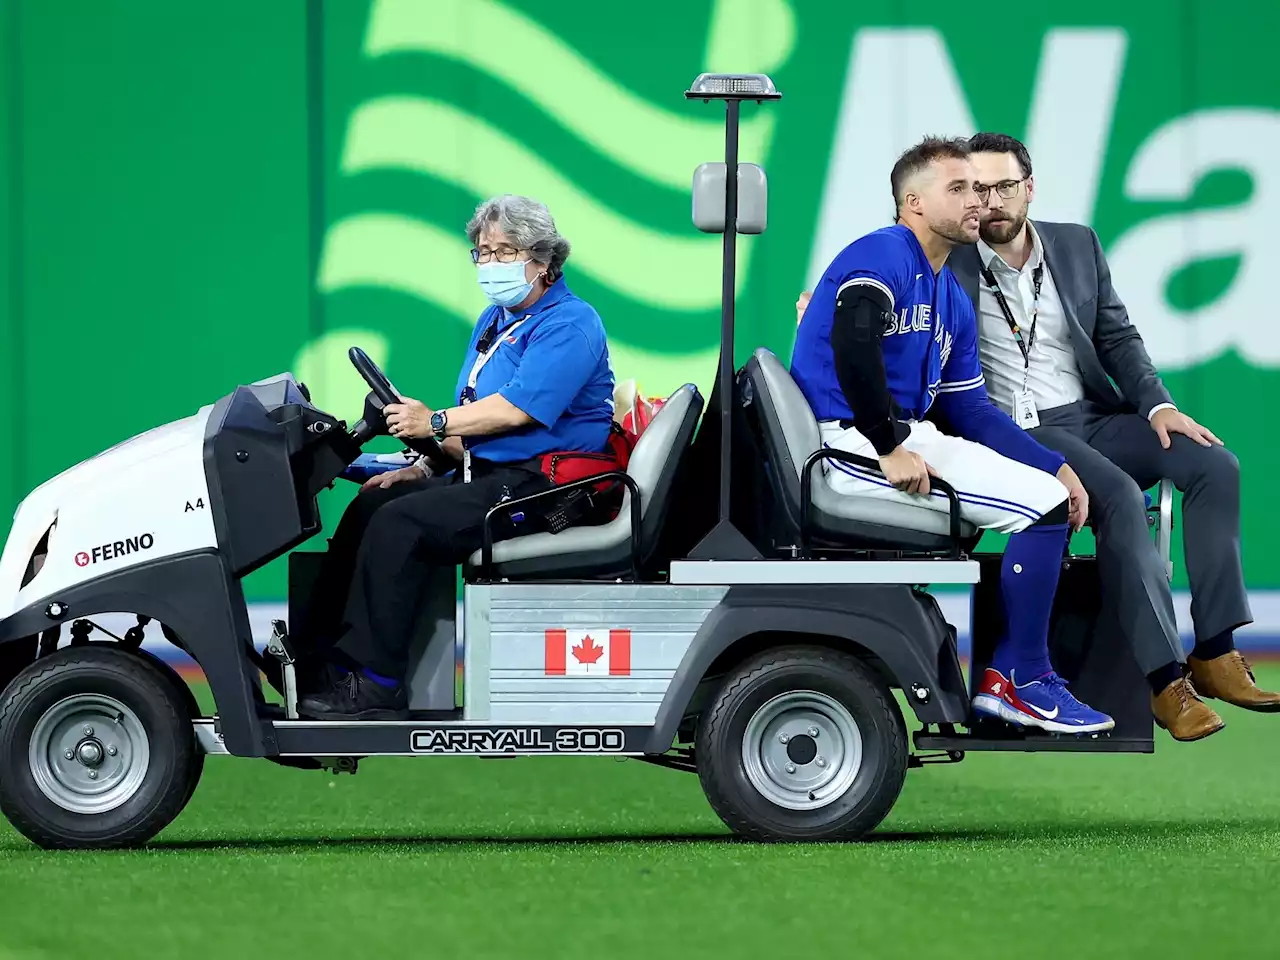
(1045, 703)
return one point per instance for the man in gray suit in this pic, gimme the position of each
(1060, 356)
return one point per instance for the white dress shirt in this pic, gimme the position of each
(1053, 378)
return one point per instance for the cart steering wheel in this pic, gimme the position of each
(429, 447)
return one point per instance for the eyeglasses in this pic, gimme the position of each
(1008, 189)
(502, 254)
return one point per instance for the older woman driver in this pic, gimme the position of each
(535, 379)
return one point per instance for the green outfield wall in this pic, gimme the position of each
(198, 195)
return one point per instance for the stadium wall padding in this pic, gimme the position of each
(200, 195)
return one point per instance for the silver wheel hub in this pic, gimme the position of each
(802, 750)
(89, 753)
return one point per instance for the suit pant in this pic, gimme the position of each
(1117, 456)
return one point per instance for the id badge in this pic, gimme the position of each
(1025, 414)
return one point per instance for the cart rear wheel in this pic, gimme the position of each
(802, 743)
(96, 750)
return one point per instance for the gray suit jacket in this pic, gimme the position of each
(1114, 365)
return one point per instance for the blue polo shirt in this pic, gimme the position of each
(554, 366)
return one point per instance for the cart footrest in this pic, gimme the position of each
(1030, 742)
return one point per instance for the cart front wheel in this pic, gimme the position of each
(96, 750)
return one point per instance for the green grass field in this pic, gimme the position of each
(1175, 854)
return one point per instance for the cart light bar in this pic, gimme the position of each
(732, 86)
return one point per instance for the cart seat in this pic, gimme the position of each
(605, 549)
(789, 434)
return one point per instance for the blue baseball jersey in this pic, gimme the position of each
(554, 366)
(931, 346)
(930, 351)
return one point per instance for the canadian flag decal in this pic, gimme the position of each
(588, 653)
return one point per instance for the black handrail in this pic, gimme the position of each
(842, 456)
(486, 554)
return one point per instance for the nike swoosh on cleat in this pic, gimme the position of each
(1047, 714)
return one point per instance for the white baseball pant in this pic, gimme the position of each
(995, 493)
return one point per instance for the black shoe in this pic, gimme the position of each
(316, 677)
(356, 697)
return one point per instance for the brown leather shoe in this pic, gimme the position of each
(1229, 678)
(1186, 717)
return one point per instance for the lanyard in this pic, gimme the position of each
(469, 394)
(1037, 277)
(483, 358)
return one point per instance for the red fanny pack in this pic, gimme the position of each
(567, 466)
(592, 503)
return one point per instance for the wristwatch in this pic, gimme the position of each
(439, 420)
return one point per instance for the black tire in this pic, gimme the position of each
(163, 728)
(193, 711)
(15, 656)
(800, 671)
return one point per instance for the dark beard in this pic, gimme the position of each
(1001, 232)
(952, 230)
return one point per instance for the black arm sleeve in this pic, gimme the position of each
(862, 312)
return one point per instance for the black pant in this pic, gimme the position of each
(1117, 456)
(385, 551)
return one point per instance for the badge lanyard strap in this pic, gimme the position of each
(469, 394)
(1037, 278)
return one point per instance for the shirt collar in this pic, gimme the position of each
(555, 293)
(915, 243)
(990, 257)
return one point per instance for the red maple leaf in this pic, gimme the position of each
(587, 651)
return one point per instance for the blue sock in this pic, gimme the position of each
(1028, 582)
(1216, 646)
(379, 679)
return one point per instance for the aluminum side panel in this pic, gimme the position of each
(528, 680)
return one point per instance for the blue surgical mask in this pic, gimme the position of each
(504, 283)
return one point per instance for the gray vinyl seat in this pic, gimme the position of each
(789, 434)
(604, 550)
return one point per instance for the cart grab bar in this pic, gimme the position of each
(486, 555)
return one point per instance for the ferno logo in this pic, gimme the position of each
(112, 551)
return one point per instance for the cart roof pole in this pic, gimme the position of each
(729, 205)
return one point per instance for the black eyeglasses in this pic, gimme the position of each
(1008, 189)
(502, 254)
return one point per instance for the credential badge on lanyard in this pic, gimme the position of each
(1037, 277)
(1025, 413)
(469, 394)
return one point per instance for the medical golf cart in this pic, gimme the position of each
(736, 618)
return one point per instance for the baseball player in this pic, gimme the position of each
(887, 332)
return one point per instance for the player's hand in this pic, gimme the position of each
(384, 480)
(410, 420)
(907, 471)
(1169, 421)
(1077, 498)
(802, 303)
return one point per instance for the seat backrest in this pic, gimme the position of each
(789, 432)
(655, 459)
(653, 465)
(787, 425)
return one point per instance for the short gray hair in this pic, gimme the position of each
(529, 226)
